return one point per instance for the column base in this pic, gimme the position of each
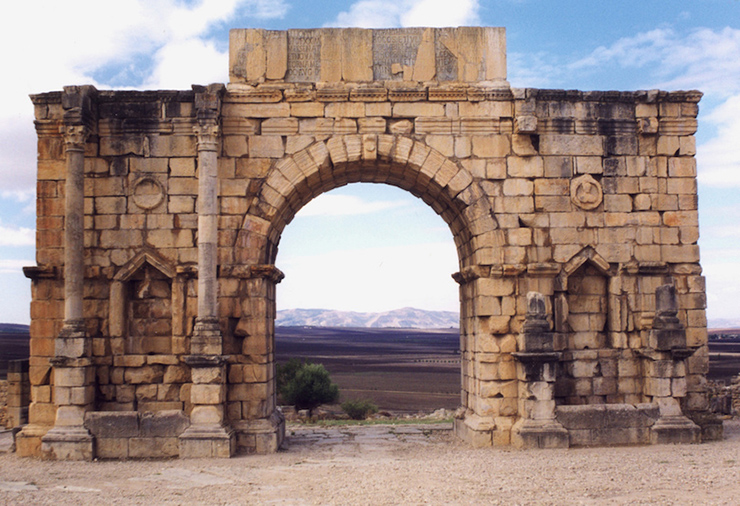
(674, 430)
(28, 440)
(262, 436)
(67, 443)
(539, 434)
(475, 430)
(205, 441)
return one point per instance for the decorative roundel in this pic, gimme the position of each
(148, 193)
(586, 192)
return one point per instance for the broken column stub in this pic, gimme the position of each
(332, 55)
(536, 372)
(536, 335)
(667, 332)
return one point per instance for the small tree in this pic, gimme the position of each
(310, 387)
(285, 374)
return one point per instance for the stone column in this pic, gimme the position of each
(74, 388)
(207, 436)
(207, 333)
(665, 371)
(536, 371)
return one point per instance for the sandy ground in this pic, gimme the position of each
(421, 464)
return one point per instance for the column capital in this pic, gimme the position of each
(207, 133)
(75, 137)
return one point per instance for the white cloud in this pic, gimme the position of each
(13, 266)
(705, 59)
(328, 204)
(17, 236)
(441, 13)
(719, 158)
(50, 44)
(375, 279)
(407, 13)
(173, 68)
(723, 286)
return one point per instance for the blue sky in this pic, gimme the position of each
(352, 248)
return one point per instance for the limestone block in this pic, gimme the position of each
(71, 376)
(206, 415)
(159, 447)
(207, 394)
(276, 52)
(682, 167)
(491, 146)
(266, 146)
(345, 110)
(111, 448)
(378, 109)
(206, 375)
(416, 109)
(110, 424)
(583, 145)
(445, 144)
(530, 166)
(371, 125)
(307, 109)
(176, 374)
(493, 109)
(163, 424)
(516, 187)
(144, 375)
(588, 165)
(668, 145)
(281, 109)
(279, 126)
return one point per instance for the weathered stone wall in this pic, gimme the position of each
(587, 198)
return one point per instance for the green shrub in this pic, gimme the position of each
(310, 387)
(359, 409)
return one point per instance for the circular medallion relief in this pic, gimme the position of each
(148, 193)
(586, 192)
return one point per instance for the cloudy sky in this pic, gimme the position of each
(351, 248)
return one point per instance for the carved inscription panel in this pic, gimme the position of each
(394, 47)
(446, 60)
(304, 56)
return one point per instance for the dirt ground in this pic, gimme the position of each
(419, 464)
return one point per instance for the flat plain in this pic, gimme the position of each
(401, 370)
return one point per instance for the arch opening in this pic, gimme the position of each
(379, 261)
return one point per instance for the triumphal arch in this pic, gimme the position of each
(574, 215)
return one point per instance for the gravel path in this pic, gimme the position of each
(420, 464)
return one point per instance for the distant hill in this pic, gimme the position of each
(407, 317)
(724, 323)
(13, 328)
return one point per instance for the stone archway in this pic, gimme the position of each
(391, 159)
(537, 186)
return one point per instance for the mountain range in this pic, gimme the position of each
(399, 318)
(407, 317)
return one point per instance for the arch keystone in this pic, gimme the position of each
(369, 147)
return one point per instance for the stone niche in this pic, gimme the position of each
(574, 215)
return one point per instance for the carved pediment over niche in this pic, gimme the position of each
(150, 257)
(587, 254)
